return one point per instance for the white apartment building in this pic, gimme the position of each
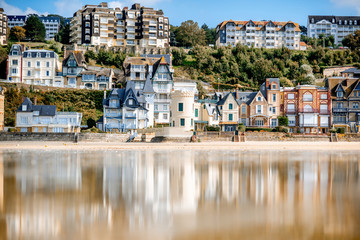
(137, 26)
(3, 27)
(259, 34)
(38, 67)
(337, 26)
(16, 20)
(45, 118)
(52, 26)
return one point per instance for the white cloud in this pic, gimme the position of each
(115, 4)
(12, 10)
(347, 3)
(67, 7)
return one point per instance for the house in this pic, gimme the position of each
(73, 64)
(308, 109)
(228, 109)
(351, 73)
(206, 114)
(244, 100)
(259, 111)
(45, 118)
(127, 109)
(2, 109)
(345, 98)
(271, 90)
(99, 80)
(160, 72)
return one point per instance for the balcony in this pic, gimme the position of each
(115, 125)
(290, 111)
(162, 100)
(354, 109)
(308, 125)
(325, 112)
(130, 115)
(113, 115)
(306, 110)
(337, 110)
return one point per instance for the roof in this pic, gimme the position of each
(148, 87)
(167, 57)
(241, 24)
(103, 72)
(352, 70)
(16, 18)
(346, 84)
(33, 53)
(337, 19)
(50, 19)
(44, 110)
(246, 97)
(78, 55)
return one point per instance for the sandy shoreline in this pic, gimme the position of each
(96, 146)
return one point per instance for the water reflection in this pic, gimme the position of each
(179, 195)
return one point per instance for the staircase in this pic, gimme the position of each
(132, 137)
(333, 137)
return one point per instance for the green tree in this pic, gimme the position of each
(17, 33)
(64, 35)
(189, 34)
(178, 56)
(210, 34)
(283, 121)
(352, 40)
(35, 29)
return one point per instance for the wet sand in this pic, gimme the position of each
(314, 146)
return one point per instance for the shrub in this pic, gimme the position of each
(281, 129)
(340, 130)
(212, 129)
(283, 121)
(248, 129)
(242, 127)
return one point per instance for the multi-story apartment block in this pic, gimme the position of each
(37, 67)
(258, 34)
(160, 72)
(337, 26)
(16, 20)
(3, 27)
(137, 26)
(345, 97)
(45, 118)
(127, 109)
(2, 109)
(308, 109)
(52, 26)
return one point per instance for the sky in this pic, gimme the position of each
(210, 12)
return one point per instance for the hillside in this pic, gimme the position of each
(89, 102)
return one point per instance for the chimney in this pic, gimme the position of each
(237, 92)
(267, 83)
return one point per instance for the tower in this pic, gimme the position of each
(149, 94)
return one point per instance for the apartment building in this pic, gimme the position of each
(16, 20)
(308, 109)
(38, 67)
(337, 26)
(160, 71)
(3, 27)
(2, 109)
(127, 27)
(45, 118)
(258, 34)
(52, 26)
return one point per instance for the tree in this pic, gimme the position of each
(64, 35)
(178, 55)
(283, 121)
(189, 34)
(17, 33)
(303, 30)
(210, 34)
(35, 29)
(352, 40)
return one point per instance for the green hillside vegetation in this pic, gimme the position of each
(89, 102)
(249, 67)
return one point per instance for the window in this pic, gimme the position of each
(38, 63)
(24, 107)
(259, 123)
(243, 109)
(274, 86)
(29, 64)
(192, 122)
(24, 120)
(230, 106)
(259, 98)
(308, 108)
(196, 112)
(131, 102)
(14, 70)
(165, 116)
(356, 105)
(258, 109)
(307, 97)
(291, 121)
(36, 129)
(165, 107)
(230, 117)
(28, 73)
(47, 73)
(156, 107)
(323, 96)
(291, 96)
(181, 107)
(15, 62)
(339, 94)
(291, 108)
(274, 97)
(182, 122)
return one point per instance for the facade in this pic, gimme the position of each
(228, 109)
(3, 27)
(129, 27)
(126, 109)
(182, 109)
(206, 114)
(2, 109)
(16, 20)
(45, 118)
(258, 34)
(337, 26)
(272, 92)
(160, 72)
(259, 111)
(345, 97)
(99, 80)
(52, 26)
(308, 109)
(14, 65)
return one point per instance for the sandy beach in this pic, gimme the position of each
(95, 146)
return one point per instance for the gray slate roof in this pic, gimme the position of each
(44, 110)
(352, 70)
(148, 87)
(166, 56)
(246, 97)
(329, 18)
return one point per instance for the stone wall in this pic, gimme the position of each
(349, 137)
(63, 137)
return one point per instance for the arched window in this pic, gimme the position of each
(88, 85)
(307, 97)
(308, 108)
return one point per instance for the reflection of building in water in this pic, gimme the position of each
(64, 195)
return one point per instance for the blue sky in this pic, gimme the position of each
(210, 12)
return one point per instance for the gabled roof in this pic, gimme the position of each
(337, 19)
(44, 110)
(246, 97)
(78, 56)
(148, 87)
(223, 100)
(341, 84)
(240, 25)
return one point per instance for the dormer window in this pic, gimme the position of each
(259, 98)
(333, 21)
(131, 102)
(47, 55)
(345, 22)
(340, 94)
(355, 22)
(24, 107)
(350, 22)
(312, 20)
(340, 22)
(274, 86)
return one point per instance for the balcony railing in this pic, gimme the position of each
(340, 109)
(113, 115)
(290, 111)
(130, 115)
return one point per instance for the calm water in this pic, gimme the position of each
(179, 195)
